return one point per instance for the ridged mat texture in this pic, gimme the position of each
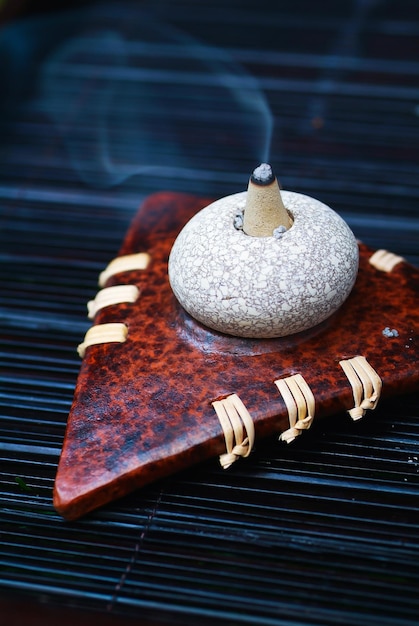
(103, 106)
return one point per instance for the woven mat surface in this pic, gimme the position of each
(102, 105)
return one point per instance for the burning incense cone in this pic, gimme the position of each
(265, 211)
(255, 265)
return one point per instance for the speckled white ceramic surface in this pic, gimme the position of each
(263, 286)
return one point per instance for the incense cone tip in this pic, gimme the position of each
(263, 175)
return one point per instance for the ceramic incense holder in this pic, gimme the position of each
(159, 392)
(263, 263)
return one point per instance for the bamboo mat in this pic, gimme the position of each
(102, 106)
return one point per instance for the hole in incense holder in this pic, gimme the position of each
(276, 233)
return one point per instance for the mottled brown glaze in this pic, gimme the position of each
(142, 409)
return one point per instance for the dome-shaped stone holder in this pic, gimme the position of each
(263, 263)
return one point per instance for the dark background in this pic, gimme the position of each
(102, 104)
